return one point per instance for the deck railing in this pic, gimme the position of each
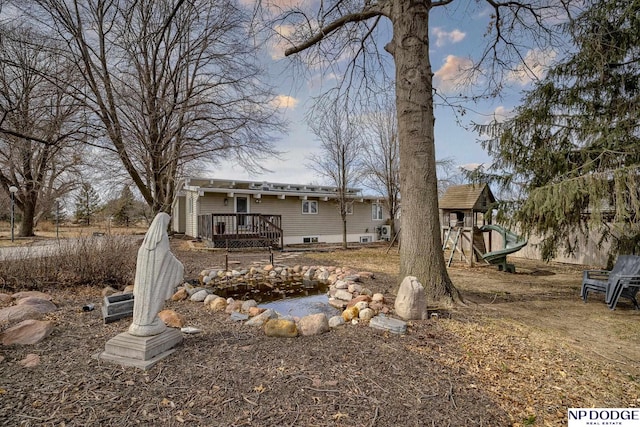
(241, 230)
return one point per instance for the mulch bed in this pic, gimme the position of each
(233, 375)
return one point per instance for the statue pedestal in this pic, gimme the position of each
(140, 352)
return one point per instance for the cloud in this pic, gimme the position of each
(443, 37)
(280, 42)
(284, 102)
(501, 113)
(536, 63)
(453, 74)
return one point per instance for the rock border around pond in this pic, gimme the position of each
(345, 288)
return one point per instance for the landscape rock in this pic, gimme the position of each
(42, 305)
(350, 313)
(362, 305)
(30, 360)
(354, 288)
(377, 298)
(17, 313)
(107, 291)
(246, 305)
(366, 314)
(336, 321)
(313, 324)
(359, 298)
(341, 284)
(343, 295)
(262, 318)
(199, 296)
(172, 319)
(282, 328)
(254, 311)
(236, 316)
(411, 300)
(128, 289)
(180, 295)
(337, 303)
(27, 332)
(385, 323)
(210, 298)
(28, 294)
(218, 304)
(233, 307)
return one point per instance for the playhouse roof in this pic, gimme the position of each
(475, 197)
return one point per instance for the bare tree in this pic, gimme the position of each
(381, 155)
(39, 123)
(170, 81)
(347, 29)
(338, 161)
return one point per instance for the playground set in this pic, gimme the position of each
(466, 218)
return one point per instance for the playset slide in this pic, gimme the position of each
(512, 243)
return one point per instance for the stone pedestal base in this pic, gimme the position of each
(140, 352)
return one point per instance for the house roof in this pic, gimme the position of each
(475, 197)
(260, 188)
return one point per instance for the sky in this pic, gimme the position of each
(456, 39)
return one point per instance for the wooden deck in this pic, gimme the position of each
(236, 231)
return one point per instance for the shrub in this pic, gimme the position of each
(108, 260)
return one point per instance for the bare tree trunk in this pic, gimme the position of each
(28, 214)
(344, 231)
(420, 252)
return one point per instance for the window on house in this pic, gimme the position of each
(376, 212)
(309, 240)
(349, 208)
(309, 206)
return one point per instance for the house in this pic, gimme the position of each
(232, 213)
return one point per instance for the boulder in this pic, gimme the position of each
(27, 294)
(254, 311)
(262, 318)
(180, 295)
(218, 304)
(108, 291)
(366, 314)
(282, 328)
(42, 305)
(313, 324)
(336, 321)
(210, 298)
(233, 306)
(411, 301)
(199, 296)
(246, 305)
(350, 313)
(359, 298)
(343, 295)
(172, 319)
(377, 298)
(27, 332)
(18, 313)
(385, 323)
(362, 305)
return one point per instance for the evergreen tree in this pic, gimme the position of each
(124, 207)
(87, 203)
(572, 147)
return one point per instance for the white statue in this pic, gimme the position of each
(158, 272)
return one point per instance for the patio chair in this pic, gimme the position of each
(622, 281)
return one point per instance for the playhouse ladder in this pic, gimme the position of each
(455, 247)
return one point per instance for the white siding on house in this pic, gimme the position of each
(326, 224)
